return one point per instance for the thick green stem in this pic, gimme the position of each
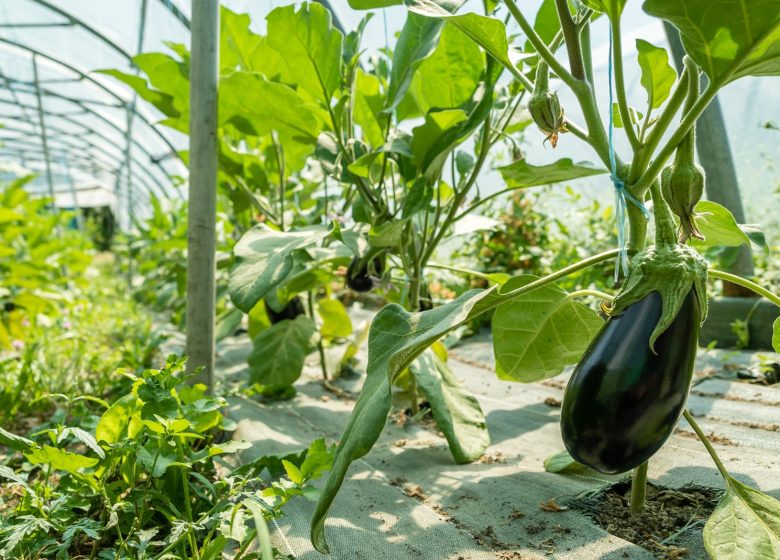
(745, 283)
(571, 34)
(724, 473)
(587, 52)
(686, 150)
(639, 488)
(620, 85)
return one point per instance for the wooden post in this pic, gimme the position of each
(201, 236)
(712, 145)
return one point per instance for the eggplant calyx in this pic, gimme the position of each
(670, 270)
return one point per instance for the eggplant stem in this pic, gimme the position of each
(724, 473)
(639, 488)
(745, 283)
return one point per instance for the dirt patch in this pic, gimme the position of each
(668, 515)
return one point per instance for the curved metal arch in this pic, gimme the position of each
(90, 130)
(82, 77)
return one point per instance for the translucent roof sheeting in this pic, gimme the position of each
(98, 134)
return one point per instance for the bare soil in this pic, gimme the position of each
(669, 513)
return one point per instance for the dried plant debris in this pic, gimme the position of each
(669, 515)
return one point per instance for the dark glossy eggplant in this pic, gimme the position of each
(293, 308)
(361, 279)
(623, 401)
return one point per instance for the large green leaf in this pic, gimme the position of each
(437, 123)
(335, 320)
(59, 459)
(522, 174)
(449, 77)
(744, 526)
(114, 423)
(457, 414)
(367, 108)
(415, 43)
(396, 338)
(309, 45)
(718, 226)
(162, 101)
(279, 351)
(242, 49)
(264, 257)
(728, 38)
(536, 335)
(487, 32)
(658, 76)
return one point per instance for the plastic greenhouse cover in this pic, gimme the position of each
(86, 120)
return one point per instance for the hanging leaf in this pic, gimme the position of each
(560, 462)
(521, 174)
(489, 33)
(278, 352)
(310, 47)
(728, 39)
(396, 338)
(613, 8)
(718, 226)
(264, 257)
(658, 76)
(335, 320)
(537, 334)
(457, 414)
(744, 526)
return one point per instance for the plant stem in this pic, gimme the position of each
(620, 85)
(639, 488)
(587, 53)
(571, 34)
(745, 283)
(664, 222)
(589, 292)
(320, 347)
(461, 270)
(724, 473)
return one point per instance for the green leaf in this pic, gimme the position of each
(415, 43)
(537, 334)
(559, 462)
(744, 526)
(521, 174)
(613, 8)
(617, 120)
(449, 77)
(658, 76)
(113, 425)
(59, 459)
(278, 353)
(396, 338)
(489, 33)
(293, 472)
(264, 257)
(718, 226)
(728, 39)
(776, 335)
(238, 45)
(309, 45)
(457, 414)
(162, 101)
(335, 320)
(318, 459)
(367, 108)
(437, 123)
(12, 441)
(388, 234)
(418, 198)
(155, 461)
(373, 4)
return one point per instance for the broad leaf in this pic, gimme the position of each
(238, 45)
(537, 334)
(396, 338)
(59, 459)
(449, 77)
(457, 414)
(335, 320)
(744, 526)
(776, 335)
(425, 136)
(728, 39)
(487, 32)
(278, 353)
(521, 174)
(309, 45)
(113, 425)
(264, 257)
(12, 441)
(658, 76)
(367, 108)
(415, 43)
(718, 226)
(162, 101)
(613, 8)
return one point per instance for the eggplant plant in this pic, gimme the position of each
(538, 328)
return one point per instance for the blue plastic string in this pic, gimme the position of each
(621, 194)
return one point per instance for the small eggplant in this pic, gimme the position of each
(293, 308)
(360, 278)
(623, 400)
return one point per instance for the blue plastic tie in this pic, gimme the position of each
(621, 194)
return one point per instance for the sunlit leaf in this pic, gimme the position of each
(658, 76)
(335, 320)
(521, 174)
(718, 226)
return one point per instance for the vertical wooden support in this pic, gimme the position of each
(44, 139)
(201, 235)
(712, 145)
